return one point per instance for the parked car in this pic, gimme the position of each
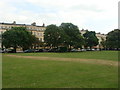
(2, 51)
(35, 50)
(38, 50)
(88, 49)
(93, 49)
(46, 50)
(10, 51)
(83, 49)
(97, 49)
(29, 51)
(53, 50)
(74, 50)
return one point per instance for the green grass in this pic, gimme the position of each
(29, 73)
(105, 55)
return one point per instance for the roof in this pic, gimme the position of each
(19, 24)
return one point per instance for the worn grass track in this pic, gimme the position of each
(90, 61)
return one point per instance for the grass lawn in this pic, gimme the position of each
(30, 73)
(105, 55)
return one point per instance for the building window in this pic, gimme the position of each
(40, 29)
(40, 39)
(40, 34)
(1, 32)
(37, 33)
(34, 33)
(9, 27)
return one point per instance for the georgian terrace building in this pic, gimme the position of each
(98, 35)
(36, 30)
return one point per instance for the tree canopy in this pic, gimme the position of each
(53, 36)
(113, 39)
(90, 39)
(66, 35)
(17, 37)
(103, 43)
(73, 35)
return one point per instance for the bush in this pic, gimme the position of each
(62, 49)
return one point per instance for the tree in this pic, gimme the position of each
(90, 39)
(113, 39)
(36, 42)
(73, 36)
(9, 39)
(53, 35)
(17, 37)
(103, 43)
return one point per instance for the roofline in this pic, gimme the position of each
(19, 24)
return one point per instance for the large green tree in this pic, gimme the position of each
(90, 39)
(17, 37)
(113, 39)
(103, 43)
(73, 35)
(53, 36)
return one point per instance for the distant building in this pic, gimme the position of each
(100, 38)
(36, 30)
(98, 35)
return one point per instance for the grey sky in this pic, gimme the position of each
(95, 15)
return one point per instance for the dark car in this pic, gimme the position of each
(29, 51)
(53, 50)
(2, 51)
(10, 51)
(38, 50)
(46, 50)
(74, 50)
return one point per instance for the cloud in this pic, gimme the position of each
(97, 15)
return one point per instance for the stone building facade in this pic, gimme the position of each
(36, 30)
(98, 35)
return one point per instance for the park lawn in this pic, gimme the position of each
(29, 73)
(103, 55)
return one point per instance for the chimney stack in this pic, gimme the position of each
(43, 25)
(34, 24)
(14, 22)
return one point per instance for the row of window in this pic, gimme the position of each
(1, 32)
(38, 29)
(34, 33)
(40, 39)
(37, 34)
(29, 28)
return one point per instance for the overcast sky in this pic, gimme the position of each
(94, 15)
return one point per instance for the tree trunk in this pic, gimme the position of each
(90, 47)
(15, 49)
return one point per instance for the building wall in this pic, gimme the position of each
(98, 35)
(38, 31)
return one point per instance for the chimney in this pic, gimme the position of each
(43, 25)
(34, 24)
(14, 22)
